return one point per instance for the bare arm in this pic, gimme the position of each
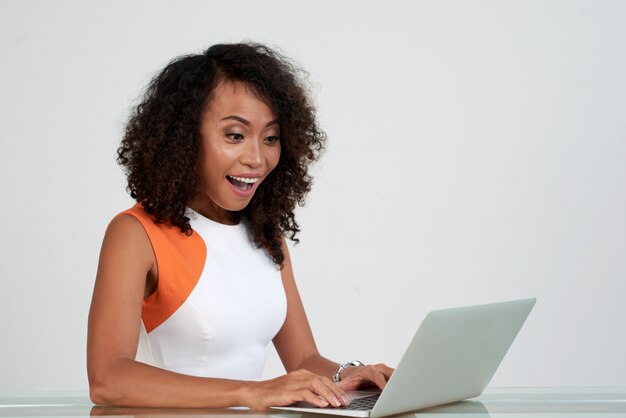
(296, 346)
(115, 378)
(294, 342)
(126, 259)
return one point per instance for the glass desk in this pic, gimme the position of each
(495, 402)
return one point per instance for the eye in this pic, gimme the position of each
(272, 139)
(234, 136)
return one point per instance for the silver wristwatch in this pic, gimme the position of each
(337, 375)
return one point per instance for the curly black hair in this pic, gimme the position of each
(160, 151)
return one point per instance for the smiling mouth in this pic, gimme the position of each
(242, 183)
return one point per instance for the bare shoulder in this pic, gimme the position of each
(286, 268)
(285, 248)
(126, 240)
(115, 314)
(126, 225)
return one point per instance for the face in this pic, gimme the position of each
(240, 146)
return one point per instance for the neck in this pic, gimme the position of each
(208, 209)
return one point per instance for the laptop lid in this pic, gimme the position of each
(453, 356)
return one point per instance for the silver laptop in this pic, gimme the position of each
(452, 357)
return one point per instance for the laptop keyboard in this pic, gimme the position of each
(362, 404)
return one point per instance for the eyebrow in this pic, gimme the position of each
(246, 122)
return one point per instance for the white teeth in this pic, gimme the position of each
(249, 180)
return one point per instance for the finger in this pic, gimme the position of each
(314, 399)
(347, 385)
(338, 391)
(380, 369)
(331, 392)
(375, 376)
(386, 370)
(352, 382)
(380, 380)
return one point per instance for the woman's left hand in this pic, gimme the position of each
(356, 377)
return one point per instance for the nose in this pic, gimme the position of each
(252, 155)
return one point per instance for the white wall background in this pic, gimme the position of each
(476, 153)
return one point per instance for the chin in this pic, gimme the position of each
(237, 206)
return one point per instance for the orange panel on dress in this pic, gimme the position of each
(180, 261)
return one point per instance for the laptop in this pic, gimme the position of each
(452, 357)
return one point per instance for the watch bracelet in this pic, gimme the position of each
(337, 374)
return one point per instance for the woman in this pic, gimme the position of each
(216, 156)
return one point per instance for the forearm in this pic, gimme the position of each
(130, 383)
(319, 365)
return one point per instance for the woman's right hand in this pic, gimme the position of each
(299, 385)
